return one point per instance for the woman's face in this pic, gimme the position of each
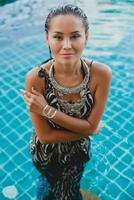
(66, 38)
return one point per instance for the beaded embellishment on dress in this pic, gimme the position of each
(72, 108)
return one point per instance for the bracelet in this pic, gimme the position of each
(50, 109)
(48, 114)
(44, 109)
(53, 115)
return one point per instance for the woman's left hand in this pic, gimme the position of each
(34, 100)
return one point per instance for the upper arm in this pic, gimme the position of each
(33, 80)
(40, 124)
(103, 76)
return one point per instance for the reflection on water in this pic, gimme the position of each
(98, 166)
(3, 2)
(109, 172)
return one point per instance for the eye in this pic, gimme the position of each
(57, 37)
(75, 36)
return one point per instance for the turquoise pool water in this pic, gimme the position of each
(110, 173)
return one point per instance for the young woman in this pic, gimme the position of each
(66, 97)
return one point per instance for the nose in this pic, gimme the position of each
(66, 44)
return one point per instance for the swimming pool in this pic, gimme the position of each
(110, 173)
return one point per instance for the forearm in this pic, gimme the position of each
(50, 135)
(60, 136)
(76, 125)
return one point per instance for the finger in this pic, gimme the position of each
(25, 92)
(22, 91)
(35, 91)
(27, 99)
(28, 94)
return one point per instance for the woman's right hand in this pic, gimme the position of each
(34, 100)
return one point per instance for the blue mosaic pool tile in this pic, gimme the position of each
(112, 158)
(4, 157)
(3, 142)
(6, 130)
(5, 100)
(18, 101)
(130, 190)
(102, 184)
(15, 122)
(121, 166)
(10, 106)
(11, 149)
(125, 144)
(2, 124)
(129, 126)
(11, 94)
(118, 151)
(85, 183)
(123, 133)
(127, 158)
(125, 196)
(12, 136)
(7, 181)
(8, 116)
(27, 165)
(24, 196)
(119, 119)
(20, 143)
(21, 129)
(126, 114)
(123, 182)
(28, 134)
(2, 174)
(115, 139)
(10, 166)
(112, 190)
(16, 111)
(112, 174)
(26, 152)
(99, 137)
(17, 159)
(129, 172)
(23, 115)
(108, 144)
(123, 104)
(102, 167)
(17, 174)
(32, 193)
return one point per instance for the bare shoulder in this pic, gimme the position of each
(32, 75)
(99, 70)
(33, 79)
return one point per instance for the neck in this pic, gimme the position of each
(68, 69)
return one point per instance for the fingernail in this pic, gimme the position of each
(21, 91)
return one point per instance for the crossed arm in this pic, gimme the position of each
(74, 128)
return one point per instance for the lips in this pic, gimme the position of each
(67, 54)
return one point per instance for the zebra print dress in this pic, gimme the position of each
(61, 165)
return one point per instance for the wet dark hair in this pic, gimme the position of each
(65, 10)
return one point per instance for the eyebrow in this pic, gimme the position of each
(71, 32)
